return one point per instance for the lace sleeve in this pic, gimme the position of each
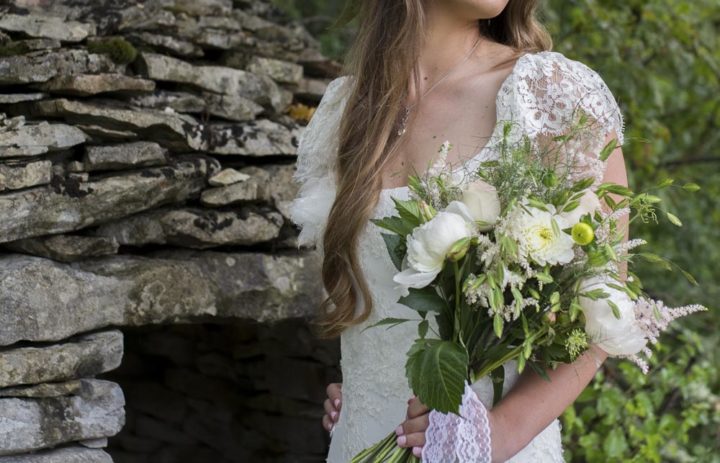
(550, 94)
(316, 154)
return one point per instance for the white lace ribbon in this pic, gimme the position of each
(459, 439)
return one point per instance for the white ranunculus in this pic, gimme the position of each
(589, 203)
(533, 231)
(427, 248)
(615, 336)
(481, 200)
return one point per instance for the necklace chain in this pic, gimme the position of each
(408, 108)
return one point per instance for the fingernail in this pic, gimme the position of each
(401, 441)
(417, 451)
(337, 403)
(399, 430)
(333, 415)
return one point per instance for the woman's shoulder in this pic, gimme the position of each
(558, 66)
(554, 86)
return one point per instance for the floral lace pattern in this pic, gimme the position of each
(463, 438)
(540, 95)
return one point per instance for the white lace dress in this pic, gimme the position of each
(538, 94)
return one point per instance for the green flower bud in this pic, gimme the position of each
(459, 249)
(582, 233)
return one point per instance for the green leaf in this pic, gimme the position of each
(388, 321)
(423, 328)
(396, 247)
(655, 259)
(616, 189)
(615, 309)
(498, 325)
(691, 187)
(688, 276)
(395, 224)
(544, 277)
(423, 300)
(409, 211)
(673, 219)
(608, 149)
(436, 371)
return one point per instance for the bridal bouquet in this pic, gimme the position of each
(522, 259)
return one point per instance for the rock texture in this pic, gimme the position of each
(146, 158)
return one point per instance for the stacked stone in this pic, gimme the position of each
(146, 155)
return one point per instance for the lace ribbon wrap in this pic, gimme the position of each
(463, 438)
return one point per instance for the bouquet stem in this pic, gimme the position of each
(386, 451)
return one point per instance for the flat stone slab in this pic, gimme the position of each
(28, 424)
(93, 84)
(261, 137)
(33, 139)
(124, 156)
(72, 204)
(43, 300)
(65, 248)
(219, 79)
(175, 130)
(84, 356)
(24, 176)
(195, 228)
(48, 27)
(41, 66)
(74, 454)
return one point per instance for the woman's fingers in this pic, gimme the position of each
(334, 393)
(330, 410)
(417, 424)
(332, 405)
(327, 423)
(416, 408)
(416, 439)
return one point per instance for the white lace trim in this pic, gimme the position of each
(540, 95)
(463, 438)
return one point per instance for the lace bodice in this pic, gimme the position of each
(540, 95)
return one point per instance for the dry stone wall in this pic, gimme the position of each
(146, 159)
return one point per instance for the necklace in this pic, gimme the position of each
(408, 108)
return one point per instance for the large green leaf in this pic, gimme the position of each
(423, 300)
(396, 247)
(436, 371)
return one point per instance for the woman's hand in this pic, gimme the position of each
(332, 405)
(411, 433)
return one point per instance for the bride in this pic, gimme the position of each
(421, 72)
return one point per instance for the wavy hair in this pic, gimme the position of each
(383, 56)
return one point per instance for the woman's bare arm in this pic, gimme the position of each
(511, 424)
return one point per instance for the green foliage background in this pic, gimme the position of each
(661, 59)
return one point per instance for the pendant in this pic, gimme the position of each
(403, 122)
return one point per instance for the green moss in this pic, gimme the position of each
(13, 48)
(117, 48)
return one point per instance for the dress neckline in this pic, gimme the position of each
(495, 131)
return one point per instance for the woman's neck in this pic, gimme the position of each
(447, 42)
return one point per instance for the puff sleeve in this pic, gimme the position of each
(551, 92)
(315, 173)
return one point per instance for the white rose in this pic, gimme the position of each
(483, 204)
(427, 248)
(533, 231)
(589, 203)
(616, 336)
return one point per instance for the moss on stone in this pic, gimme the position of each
(13, 48)
(117, 48)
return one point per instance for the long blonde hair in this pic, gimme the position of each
(383, 56)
